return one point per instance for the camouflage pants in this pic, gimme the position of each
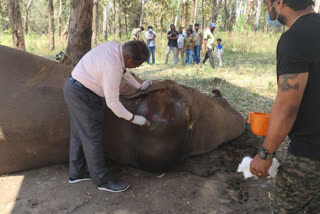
(297, 187)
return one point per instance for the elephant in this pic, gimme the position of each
(34, 121)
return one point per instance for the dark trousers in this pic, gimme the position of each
(86, 132)
(210, 56)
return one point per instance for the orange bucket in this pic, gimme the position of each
(259, 123)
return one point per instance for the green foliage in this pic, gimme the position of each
(4, 17)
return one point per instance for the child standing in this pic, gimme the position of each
(219, 52)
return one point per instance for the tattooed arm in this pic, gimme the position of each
(283, 114)
(285, 108)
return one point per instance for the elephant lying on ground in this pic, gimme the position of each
(34, 125)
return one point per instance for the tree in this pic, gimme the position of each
(16, 25)
(119, 18)
(59, 18)
(258, 13)
(105, 21)
(177, 14)
(27, 6)
(249, 12)
(184, 14)
(114, 19)
(66, 28)
(95, 22)
(79, 42)
(192, 13)
(233, 14)
(216, 11)
(51, 25)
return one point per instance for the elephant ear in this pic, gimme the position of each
(129, 92)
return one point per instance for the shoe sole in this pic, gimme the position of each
(79, 180)
(110, 190)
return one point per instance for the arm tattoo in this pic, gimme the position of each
(286, 86)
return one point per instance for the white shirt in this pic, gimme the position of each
(101, 71)
(181, 40)
(150, 43)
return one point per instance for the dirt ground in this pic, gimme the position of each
(206, 184)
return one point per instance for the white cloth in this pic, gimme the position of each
(181, 40)
(244, 167)
(219, 53)
(101, 71)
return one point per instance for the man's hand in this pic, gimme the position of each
(207, 50)
(260, 167)
(146, 84)
(140, 120)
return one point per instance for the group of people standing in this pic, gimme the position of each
(186, 45)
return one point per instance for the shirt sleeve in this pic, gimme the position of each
(290, 57)
(111, 83)
(205, 35)
(131, 80)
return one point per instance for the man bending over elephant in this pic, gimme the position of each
(98, 74)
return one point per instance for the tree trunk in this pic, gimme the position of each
(95, 22)
(142, 2)
(216, 11)
(161, 25)
(258, 13)
(119, 18)
(239, 9)
(177, 13)
(184, 14)
(16, 25)
(66, 28)
(79, 42)
(202, 8)
(126, 20)
(105, 22)
(225, 14)
(114, 19)
(26, 21)
(233, 15)
(249, 12)
(192, 13)
(51, 25)
(316, 8)
(195, 13)
(60, 19)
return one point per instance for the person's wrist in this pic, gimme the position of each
(264, 154)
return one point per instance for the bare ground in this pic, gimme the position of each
(206, 184)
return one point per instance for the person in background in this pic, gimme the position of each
(219, 52)
(181, 37)
(295, 112)
(135, 34)
(189, 46)
(172, 36)
(151, 43)
(198, 44)
(98, 74)
(190, 27)
(209, 44)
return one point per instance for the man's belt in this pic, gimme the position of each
(73, 80)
